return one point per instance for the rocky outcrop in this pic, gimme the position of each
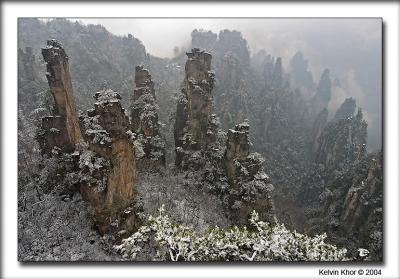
(300, 76)
(347, 109)
(194, 105)
(251, 186)
(324, 87)
(278, 111)
(231, 62)
(230, 74)
(99, 147)
(342, 142)
(318, 127)
(62, 129)
(237, 145)
(32, 85)
(27, 64)
(53, 133)
(145, 124)
(233, 41)
(322, 95)
(225, 163)
(108, 165)
(340, 145)
(219, 45)
(273, 73)
(342, 191)
(351, 207)
(364, 194)
(258, 60)
(232, 99)
(237, 149)
(204, 39)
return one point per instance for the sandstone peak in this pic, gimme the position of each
(59, 80)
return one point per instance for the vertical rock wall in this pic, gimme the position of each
(322, 95)
(62, 129)
(300, 76)
(229, 168)
(318, 127)
(343, 188)
(233, 96)
(237, 148)
(197, 86)
(342, 142)
(144, 101)
(347, 109)
(27, 63)
(108, 165)
(192, 127)
(351, 209)
(251, 185)
(204, 40)
(145, 124)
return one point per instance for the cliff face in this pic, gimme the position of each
(204, 40)
(318, 127)
(340, 145)
(351, 207)
(238, 146)
(53, 133)
(233, 41)
(27, 64)
(262, 95)
(219, 45)
(192, 126)
(233, 98)
(364, 197)
(280, 109)
(342, 142)
(231, 63)
(108, 166)
(144, 90)
(104, 157)
(279, 132)
(260, 92)
(145, 122)
(300, 76)
(61, 130)
(273, 74)
(224, 161)
(347, 109)
(249, 182)
(198, 84)
(342, 192)
(322, 95)
(31, 84)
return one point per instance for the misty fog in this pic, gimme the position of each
(205, 123)
(350, 48)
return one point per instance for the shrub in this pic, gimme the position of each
(261, 242)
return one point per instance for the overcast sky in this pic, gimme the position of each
(350, 48)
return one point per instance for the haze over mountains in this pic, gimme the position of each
(350, 48)
(207, 135)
